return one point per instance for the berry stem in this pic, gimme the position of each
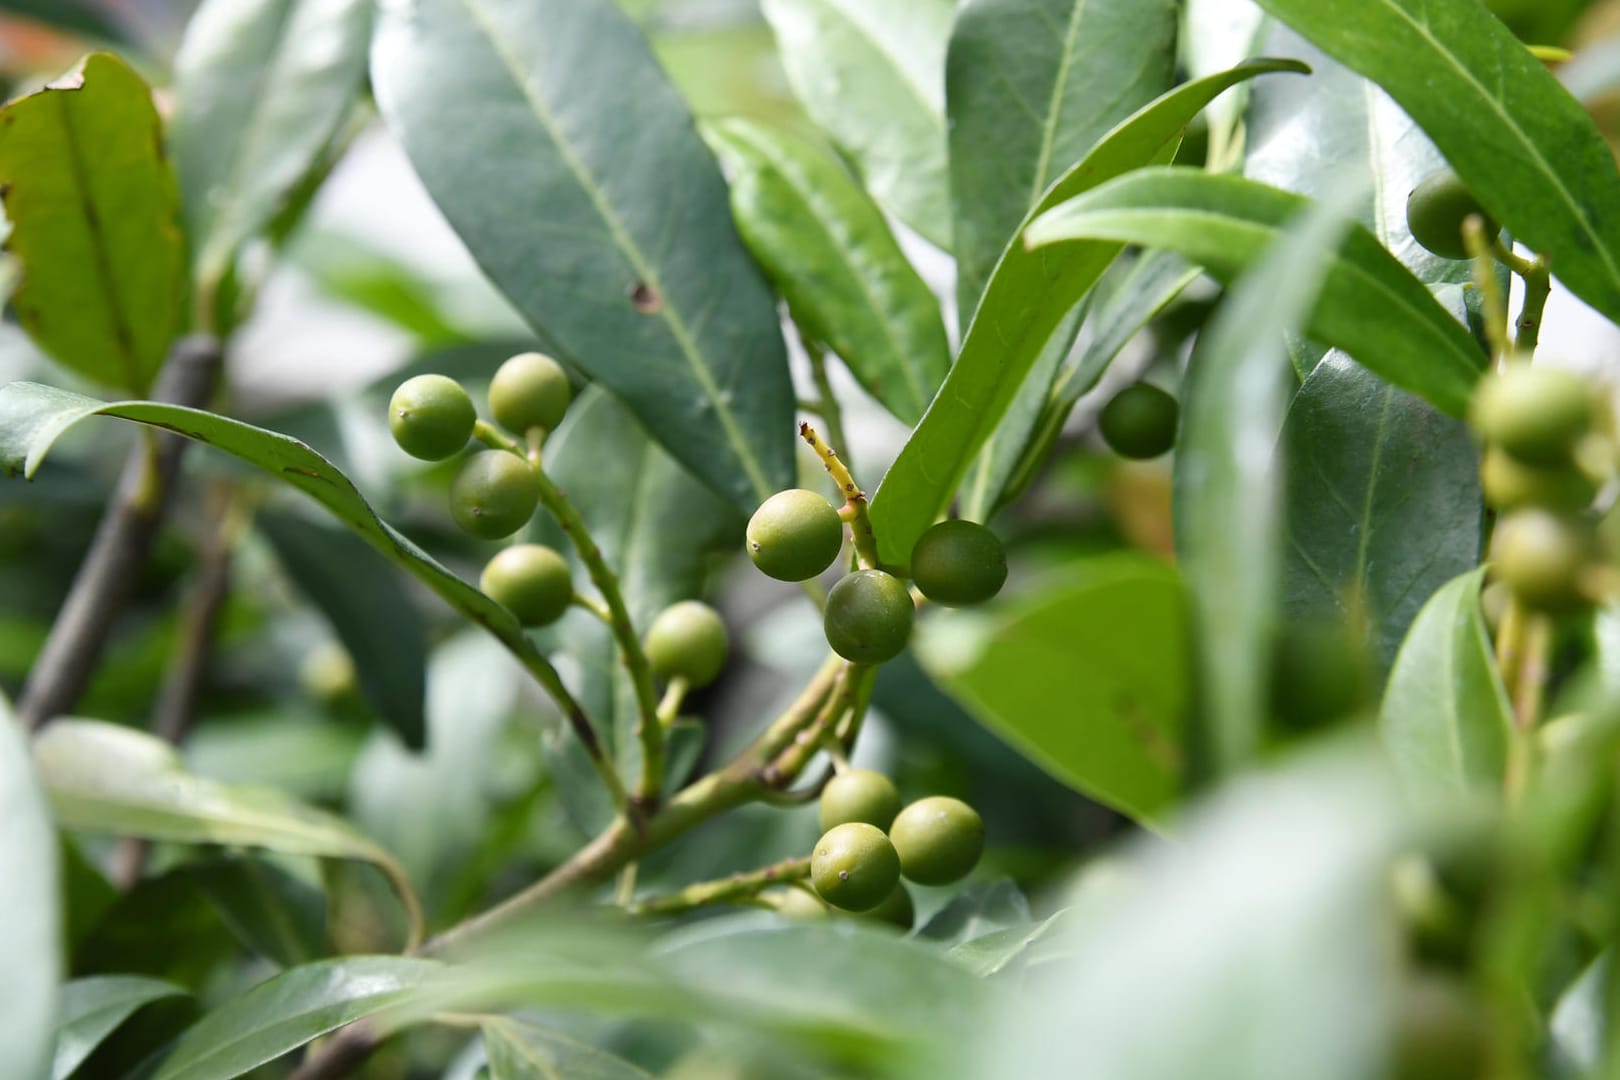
(737, 887)
(670, 706)
(496, 439)
(595, 607)
(852, 682)
(854, 510)
(1537, 287)
(1484, 262)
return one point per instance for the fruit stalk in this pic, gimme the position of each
(860, 523)
(728, 889)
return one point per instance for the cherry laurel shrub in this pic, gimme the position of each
(1016, 538)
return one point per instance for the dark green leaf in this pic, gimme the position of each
(31, 926)
(82, 17)
(1029, 293)
(1445, 717)
(1104, 638)
(1227, 527)
(524, 1052)
(1370, 305)
(93, 1007)
(1383, 502)
(617, 243)
(277, 915)
(873, 77)
(1525, 147)
(1030, 86)
(261, 86)
(93, 212)
(828, 249)
(363, 599)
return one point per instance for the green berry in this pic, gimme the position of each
(1441, 1032)
(794, 903)
(431, 417)
(531, 581)
(896, 909)
(1140, 422)
(794, 535)
(859, 795)
(1537, 414)
(1510, 484)
(869, 617)
(530, 390)
(1542, 558)
(939, 839)
(1320, 672)
(854, 866)
(494, 494)
(957, 563)
(687, 640)
(1436, 210)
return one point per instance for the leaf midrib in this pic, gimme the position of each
(1043, 161)
(935, 116)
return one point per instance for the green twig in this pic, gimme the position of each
(732, 889)
(854, 511)
(1484, 254)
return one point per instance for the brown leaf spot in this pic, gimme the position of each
(646, 299)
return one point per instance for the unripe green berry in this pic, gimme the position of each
(1542, 558)
(859, 795)
(431, 417)
(794, 535)
(869, 616)
(494, 494)
(529, 391)
(1510, 484)
(1436, 210)
(896, 909)
(957, 563)
(1140, 422)
(1537, 414)
(938, 839)
(794, 903)
(854, 866)
(687, 640)
(531, 581)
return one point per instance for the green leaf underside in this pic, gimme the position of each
(93, 210)
(1445, 717)
(261, 87)
(1523, 145)
(379, 627)
(519, 1051)
(618, 243)
(872, 76)
(29, 897)
(92, 1009)
(1370, 305)
(1029, 293)
(1089, 680)
(827, 247)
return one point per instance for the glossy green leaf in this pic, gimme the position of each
(1370, 305)
(29, 896)
(1000, 950)
(32, 417)
(1030, 86)
(519, 1051)
(104, 778)
(872, 76)
(373, 616)
(94, 222)
(92, 1009)
(261, 87)
(287, 1011)
(279, 916)
(1445, 717)
(979, 909)
(1106, 639)
(617, 244)
(827, 248)
(1228, 532)
(1029, 293)
(1521, 142)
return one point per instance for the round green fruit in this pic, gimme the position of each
(1542, 558)
(896, 909)
(1436, 210)
(1537, 414)
(854, 866)
(869, 616)
(859, 795)
(794, 903)
(530, 390)
(1140, 422)
(939, 839)
(431, 417)
(531, 581)
(957, 563)
(794, 535)
(1510, 484)
(1320, 672)
(494, 494)
(687, 640)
